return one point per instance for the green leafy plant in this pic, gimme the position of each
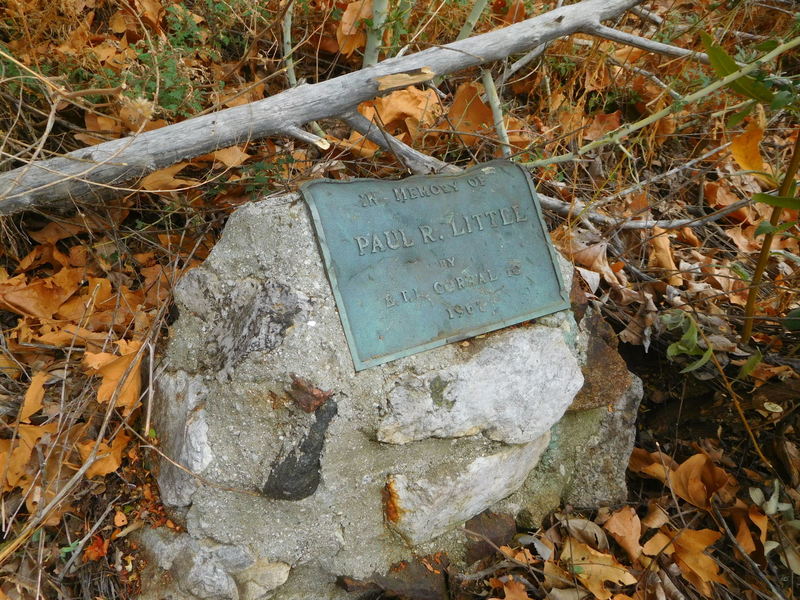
(776, 94)
(689, 342)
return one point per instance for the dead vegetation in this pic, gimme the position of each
(659, 181)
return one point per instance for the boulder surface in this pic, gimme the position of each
(297, 469)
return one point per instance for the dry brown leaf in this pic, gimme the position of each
(469, 114)
(760, 520)
(78, 38)
(746, 152)
(584, 530)
(33, 397)
(651, 464)
(594, 568)
(625, 527)
(515, 590)
(697, 479)
(656, 516)
(566, 594)
(515, 12)
(718, 194)
(72, 335)
(108, 126)
(402, 113)
(595, 258)
(596, 77)
(151, 12)
(231, 157)
(164, 179)
(41, 297)
(661, 256)
(112, 368)
(118, 23)
(394, 109)
(15, 454)
(120, 520)
(660, 543)
(522, 555)
(744, 536)
(350, 33)
(602, 124)
(41, 255)
(108, 457)
(764, 372)
(9, 367)
(697, 567)
(555, 577)
(687, 236)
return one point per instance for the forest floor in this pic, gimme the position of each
(665, 217)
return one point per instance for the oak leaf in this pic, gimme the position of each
(15, 454)
(746, 152)
(350, 33)
(108, 457)
(40, 298)
(698, 568)
(33, 397)
(112, 368)
(697, 479)
(661, 256)
(469, 114)
(594, 568)
(96, 550)
(231, 157)
(515, 590)
(165, 179)
(602, 124)
(656, 465)
(625, 527)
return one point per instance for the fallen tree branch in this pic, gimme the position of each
(92, 173)
(579, 208)
(628, 39)
(414, 160)
(421, 163)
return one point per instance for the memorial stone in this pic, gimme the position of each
(299, 461)
(432, 260)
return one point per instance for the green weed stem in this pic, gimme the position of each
(763, 257)
(616, 136)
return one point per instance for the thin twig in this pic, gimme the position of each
(414, 160)
(497, 112)
(77, 552)
(744, 554)
(650, 180)
(647, 74)
(519, 63)
(577, 207)
(648, 15)
(616, 136)
(615, 35)
(288, 60)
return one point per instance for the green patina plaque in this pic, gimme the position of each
(430, 260)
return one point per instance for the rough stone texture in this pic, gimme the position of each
(429, 507)
(606, 377)
(585, 462)
(465, 399)
(384, 460)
